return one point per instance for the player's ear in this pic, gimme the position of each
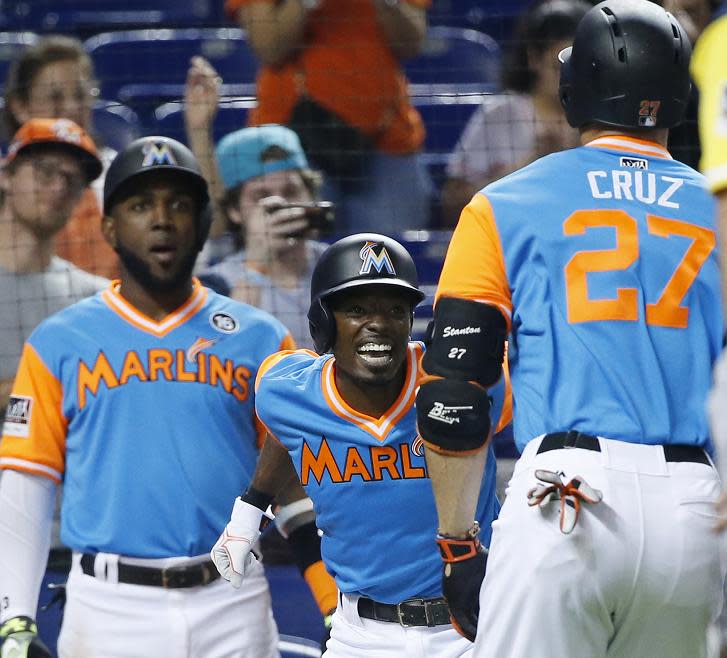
(108, 228)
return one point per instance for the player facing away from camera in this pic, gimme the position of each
(599, 264)
(141, 400)
(345, 422)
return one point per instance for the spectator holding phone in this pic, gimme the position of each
(332, 71)
(269, 200)
(262, 246)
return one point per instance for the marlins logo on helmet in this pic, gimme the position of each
(158, 153)
(379, 261)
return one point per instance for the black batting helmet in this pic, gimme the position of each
(151, 154)
(362, 259)
(628, 67)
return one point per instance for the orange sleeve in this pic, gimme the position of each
(322, 586)
(475, 265)
(34, 432)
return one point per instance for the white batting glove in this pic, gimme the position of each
(232, 553)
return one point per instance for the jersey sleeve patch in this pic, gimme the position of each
(17, 416)
(34, 432)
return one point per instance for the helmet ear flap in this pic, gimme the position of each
(322, 326)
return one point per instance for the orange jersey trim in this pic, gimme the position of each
(631, 145)
(13, 464)
(273, 359)
(40, 450)
(379, 428)
(133, 316)
(322, 586)
(475, 264)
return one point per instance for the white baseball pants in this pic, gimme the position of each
(106, 619)
(640, 576)
(718, 412)
(355, 637)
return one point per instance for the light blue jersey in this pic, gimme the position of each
(604, 260)
(151, 425)
(367, 477)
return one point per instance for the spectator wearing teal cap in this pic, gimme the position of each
(259, 252)
(263, 169)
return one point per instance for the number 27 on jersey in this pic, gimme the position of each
(666, 311)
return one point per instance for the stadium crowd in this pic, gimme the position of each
(308, 120)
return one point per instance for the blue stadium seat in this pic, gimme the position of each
(11, 45)
(445, 116)
(90, 16)
(115, 124)
(495, 17)
(232, 113)
(458, 57)
(144, 68)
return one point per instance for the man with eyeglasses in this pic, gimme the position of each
(49, 164)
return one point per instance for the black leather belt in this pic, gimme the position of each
(169, 578)
(412, 612)
(573, 439)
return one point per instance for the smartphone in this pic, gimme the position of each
(320, 214)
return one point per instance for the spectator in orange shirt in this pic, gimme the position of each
(345, 57)
(54, 79)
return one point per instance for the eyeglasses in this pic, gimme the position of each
(46, 171)
(56, 97)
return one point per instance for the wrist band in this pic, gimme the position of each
(284, 514)
(457, 549)
(259, 499)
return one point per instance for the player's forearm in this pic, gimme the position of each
(26, 512)
(456, 483)
(201, 144)
(404, 26)
(274, 472)
(275, 30)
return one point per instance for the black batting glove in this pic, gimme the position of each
(465, 562)
(19, 638)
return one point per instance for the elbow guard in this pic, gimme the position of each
(465, 350)
(453, 417)
(466, 341)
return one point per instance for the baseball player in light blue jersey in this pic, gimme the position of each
(599, 264)
(346, 422)
(141, 400)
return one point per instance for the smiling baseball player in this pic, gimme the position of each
(348, 422)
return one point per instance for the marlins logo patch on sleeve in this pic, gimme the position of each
(17, 416)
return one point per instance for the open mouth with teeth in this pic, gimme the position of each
(375, 354)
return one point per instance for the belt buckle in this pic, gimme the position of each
(418, 602)
(400, 613)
